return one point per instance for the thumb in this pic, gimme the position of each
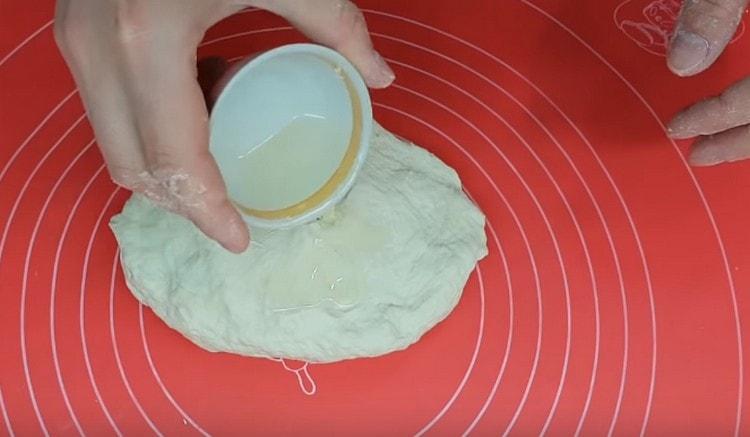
(172, 121)
(703, 31)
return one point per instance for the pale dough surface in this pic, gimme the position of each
(372, 277)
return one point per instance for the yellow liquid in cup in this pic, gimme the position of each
(314, 133)
(291, 165)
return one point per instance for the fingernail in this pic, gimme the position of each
(383, 75)
(677, 130)
(687, 52)
(703, 156)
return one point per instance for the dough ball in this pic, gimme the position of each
(371, 277)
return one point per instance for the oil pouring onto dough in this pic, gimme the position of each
(359, 261)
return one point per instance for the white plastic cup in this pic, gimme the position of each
(279, 93)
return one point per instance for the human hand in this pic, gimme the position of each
(134, 63)
(703, 31)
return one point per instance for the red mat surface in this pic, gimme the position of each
(613, 299)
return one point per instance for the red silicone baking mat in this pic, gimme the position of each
(613, 299)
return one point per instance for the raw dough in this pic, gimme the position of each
(370, 278)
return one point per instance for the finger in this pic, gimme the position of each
(99, 84)
(198, 193)
(172, 121)
(340, 25)
(732, 145)
(717, 114)
(703, 30)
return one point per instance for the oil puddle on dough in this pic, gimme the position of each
(331, 270)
